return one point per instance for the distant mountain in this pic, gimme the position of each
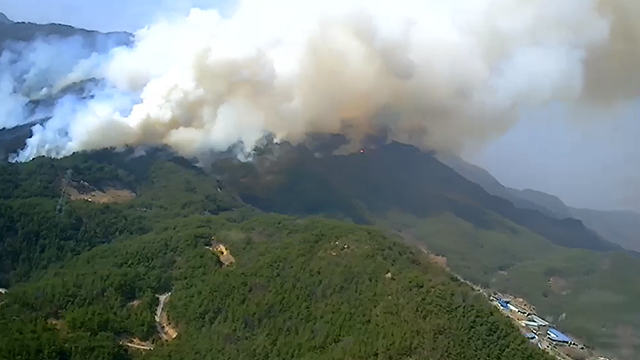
(4, 19)
(402, 178)
(28, 31)
(490, 184)
(12, 33)
(619, 227)
(551, 202)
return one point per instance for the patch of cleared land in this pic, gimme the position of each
(83, 191)
(223, 253)
(138, 344)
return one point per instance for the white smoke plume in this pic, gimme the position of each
(34, 73)
(435, 73)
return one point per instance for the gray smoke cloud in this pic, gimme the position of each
(437, 74)
(612, 67)
(37, 73)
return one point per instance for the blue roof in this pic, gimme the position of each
(530, 336)
(503, 304)
(558, 336)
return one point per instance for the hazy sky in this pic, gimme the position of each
(592, 161)
(103, 15)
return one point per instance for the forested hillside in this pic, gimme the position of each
(401, 177)
(486, 239)
(83, 278)
(36, 234)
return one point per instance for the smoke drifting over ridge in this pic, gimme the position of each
(438, 74)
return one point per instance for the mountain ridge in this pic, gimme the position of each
(13, 37)
(4, 19)
(620, 226)
(446, 189)
(25, 31)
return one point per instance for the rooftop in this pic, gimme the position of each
(556, 335)
(537, 319)
(530, 323)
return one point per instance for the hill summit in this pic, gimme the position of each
(4, 19)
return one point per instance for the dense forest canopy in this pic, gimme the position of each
(84, 276)
(484, 238)
(84, 280)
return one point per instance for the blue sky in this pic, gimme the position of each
(590, 161)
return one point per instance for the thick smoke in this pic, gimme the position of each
(36, 74)
(439, 74)
(612, 68)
